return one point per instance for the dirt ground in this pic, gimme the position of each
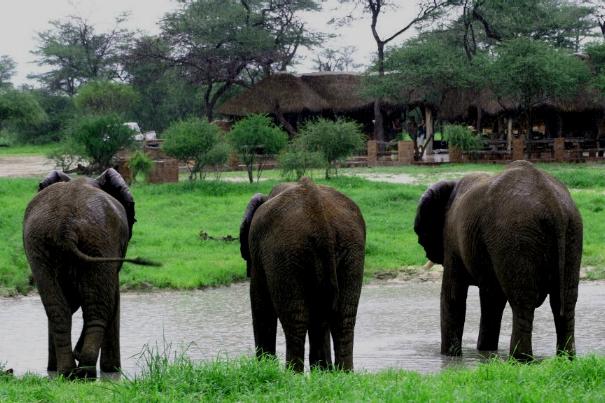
(15, 166)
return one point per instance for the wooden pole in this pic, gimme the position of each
(509, 134)
(428, 123)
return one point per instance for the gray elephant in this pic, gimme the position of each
(304, 246)
(75, 235)
(518, 237)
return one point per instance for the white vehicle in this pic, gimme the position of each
(138, 136)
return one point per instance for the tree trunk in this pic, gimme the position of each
(509, 134)
(428, 123)
(378, 121)
(479, 118)
(284, 122)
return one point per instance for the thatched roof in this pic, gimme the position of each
(314, 92)
(341, 92)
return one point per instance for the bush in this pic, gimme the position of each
(461, 137)
(335, 140)
(217, 157)
(297, 160)
(100, 138)
(68, 155)
(103, 97)
(140, 163)
(256, 136)
(191, 140)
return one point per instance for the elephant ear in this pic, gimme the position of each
(255, 202)
(53, 177)
(112, 182)
(430, 219)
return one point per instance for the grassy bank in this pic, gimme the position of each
(172, 216)
(27, 149)
(560, 380)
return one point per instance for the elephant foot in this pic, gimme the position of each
(83, 373)
(110, 368)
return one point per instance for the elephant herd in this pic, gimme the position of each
(516, 235)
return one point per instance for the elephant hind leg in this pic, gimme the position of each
(110, 349)
(493, 302)
(520, 341)
(320, 351)
(564, 325)
(295, 324)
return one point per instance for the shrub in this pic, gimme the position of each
(335, 140)
(103, 97)
(217, 157)
(140, 163)
(254, 138)
(461, 137)
(297, 160)
(68, 155)
(191, 140)
(100, 138)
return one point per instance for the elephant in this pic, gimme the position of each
(516, 235)
(75, 236)
(304, 247)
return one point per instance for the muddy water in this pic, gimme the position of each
(397, 327)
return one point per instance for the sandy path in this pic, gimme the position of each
(15, 166)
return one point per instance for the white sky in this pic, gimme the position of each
(20, 20)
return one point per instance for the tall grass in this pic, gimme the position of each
(249, 380)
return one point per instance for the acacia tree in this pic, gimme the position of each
(77, 53)
(428, 10)
(7, 71)
(424, 71)
(530, 72)
(336, 59)
(213, 43)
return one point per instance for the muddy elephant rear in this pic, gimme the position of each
(305, 247)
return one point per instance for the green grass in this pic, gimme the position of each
(246, 380)
(171, 217)
(27, 149)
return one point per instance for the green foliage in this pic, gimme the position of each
(20, 108)
(139, 163)
(68, 154)
(461, 137)
(335, 140)
(7, 71)
(75, 53)
(297, 160)
(104, 97)
(217, 157)
(254, 138)
(100, 138)
(191, 140)
(529, 72)
(425, 68)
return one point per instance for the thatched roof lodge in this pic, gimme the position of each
(292, 99)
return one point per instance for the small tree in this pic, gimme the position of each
(298, 160)
(102, 97)
(256, 136)
(191, 140)
(335, 140)
(140, 163)
(217, 157)
(101, 137)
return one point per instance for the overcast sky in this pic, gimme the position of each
(20, 20)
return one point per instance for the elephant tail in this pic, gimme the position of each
(94, 259)
(325, 268)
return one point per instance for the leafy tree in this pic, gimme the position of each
(424, 70)
(213, 43)
(461, 137)
(103, 97)
(140, 163)
(100, 138)
(335, 140)
(428, 10)
(531, 72)
(253, 137)
(165, 94)
(191, 140)
(20, 109)
(217, 157)
(298, 160)
(596, 52)
(76, 53)
(336, 59)
(7, 71)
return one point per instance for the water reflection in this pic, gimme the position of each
(397, 327)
